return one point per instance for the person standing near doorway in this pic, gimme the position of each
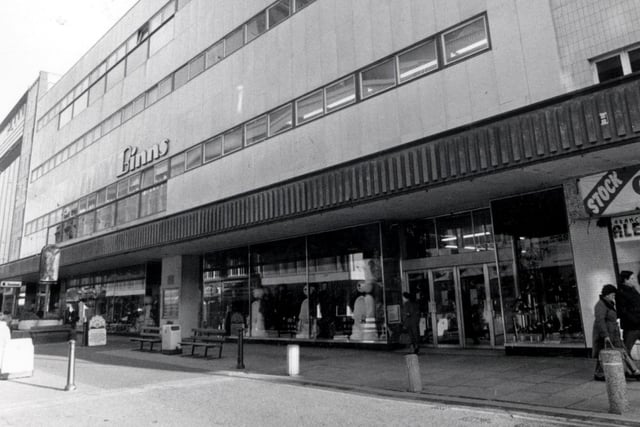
(628, 306)
(411, 320)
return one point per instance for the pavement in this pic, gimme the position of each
(561, 387)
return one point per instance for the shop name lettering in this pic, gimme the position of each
(133, 159)
(628, 227)
(600, 195)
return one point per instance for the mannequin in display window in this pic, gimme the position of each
(364, 314)
(257, 313)
(307, 323)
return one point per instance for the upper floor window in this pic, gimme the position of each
(618, 65)
(465, 40)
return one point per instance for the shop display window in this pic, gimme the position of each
(538, 283)
(279, 279)
(327, 286)
(120, 296)
(345, 274)
(226, 291)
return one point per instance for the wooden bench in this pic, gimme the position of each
(205, 338)
(148, 334)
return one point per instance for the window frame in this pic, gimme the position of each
(417, 74)
(445, 59)
(301, 119)
(392, 60)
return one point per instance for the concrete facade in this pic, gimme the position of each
(522, 76)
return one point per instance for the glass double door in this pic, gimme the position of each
(460, 305)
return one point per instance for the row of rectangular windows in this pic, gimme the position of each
(146, 179)
(145, 42)
(460, 42)
(245, 33)
(138, 205)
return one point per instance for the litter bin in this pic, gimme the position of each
(171, 337)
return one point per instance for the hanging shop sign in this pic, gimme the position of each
(625, 228)
(132, 158)
(611, 192)
(49, 264)
(10, 284)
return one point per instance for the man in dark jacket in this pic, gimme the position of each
(628, 307)
(411, 320)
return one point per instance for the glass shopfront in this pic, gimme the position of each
(538, 282)
(127, 298)
(452, 273)
(512, 286)
(321, 287)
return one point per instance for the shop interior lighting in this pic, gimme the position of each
(312, 113)
(449, 238)
(419, 69)
(342, 101)
(472, 46)
(468, 236)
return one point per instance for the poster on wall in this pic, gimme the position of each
(625, 228)
(611, 192)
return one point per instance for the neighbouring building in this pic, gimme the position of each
(16, 132)
(292, 167)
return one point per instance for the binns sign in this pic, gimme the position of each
(132, 159)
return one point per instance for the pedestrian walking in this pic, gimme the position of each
(606, 333)
(411, 320)
(628, 305)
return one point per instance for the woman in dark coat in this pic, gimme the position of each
(411, 321)
(606, 331)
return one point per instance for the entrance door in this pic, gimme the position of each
(460, 305)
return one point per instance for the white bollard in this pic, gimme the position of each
(293, 359)
(413, 372)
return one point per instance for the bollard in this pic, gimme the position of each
(240, 349)
(413, 371)
(71, 367)
(293, 359)
(611, 361)
(85, 333)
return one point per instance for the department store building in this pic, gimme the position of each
(292, 167)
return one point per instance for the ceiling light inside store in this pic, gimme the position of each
(419, 69)
(472, 46)
(342, 101)
(312, 113)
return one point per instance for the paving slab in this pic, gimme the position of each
(546, 385)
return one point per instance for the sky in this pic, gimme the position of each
(48, 35)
